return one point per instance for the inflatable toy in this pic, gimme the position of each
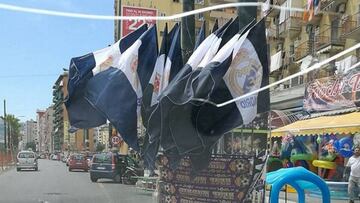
(300, 179)
(296, 157)
(344, 147)
(274, 164)
(324, 164)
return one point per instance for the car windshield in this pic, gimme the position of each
(102, 158)
(78, 157)
(26, 155)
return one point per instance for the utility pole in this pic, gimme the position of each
(187, 30)
(5, 145)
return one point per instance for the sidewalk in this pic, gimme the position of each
(292, 198)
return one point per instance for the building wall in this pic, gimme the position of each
(41, 128)
(281, 97)
(164, 8)
(30, 131)
(49, 129)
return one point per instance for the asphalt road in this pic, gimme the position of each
(53, 183)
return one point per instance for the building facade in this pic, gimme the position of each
(297, 41)
(156, 7)
(41, 126)
(30, 131)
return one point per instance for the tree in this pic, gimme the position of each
(13, 129)
(31, 145)
(100, 147)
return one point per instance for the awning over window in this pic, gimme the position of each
(340, 124)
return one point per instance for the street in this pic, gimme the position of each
(53, 183)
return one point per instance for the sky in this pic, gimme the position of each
(34, 49)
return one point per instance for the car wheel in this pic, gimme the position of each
(93, 179)
(70, 169)
(17, 169)
(36, 169)
(86, 170)
(117, 178)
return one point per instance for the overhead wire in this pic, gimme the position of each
(107, 17)
(181, 15)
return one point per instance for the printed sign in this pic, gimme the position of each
(129, 26)
(228, 178)
(336, 92)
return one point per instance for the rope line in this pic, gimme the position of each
(107, 17)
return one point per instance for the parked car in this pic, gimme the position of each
(26, 160)
(107, 165)
(78, 161)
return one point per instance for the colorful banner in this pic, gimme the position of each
(228, 178)
(336, 92)
(128, 26)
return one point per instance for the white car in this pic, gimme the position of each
(26, 160)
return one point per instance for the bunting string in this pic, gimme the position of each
(171, 17)
(181, 15)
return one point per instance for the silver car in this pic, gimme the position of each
(26, 160)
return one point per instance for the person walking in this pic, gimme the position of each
(354, 179)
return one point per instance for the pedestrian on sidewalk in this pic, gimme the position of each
(354, 179)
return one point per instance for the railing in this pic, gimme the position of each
(294, 21)
(328, 37)
(351, 23)
(302, 50)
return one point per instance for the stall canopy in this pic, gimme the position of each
(340, 124)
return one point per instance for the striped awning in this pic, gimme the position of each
(339, 124)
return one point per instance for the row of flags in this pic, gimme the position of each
(175, 100)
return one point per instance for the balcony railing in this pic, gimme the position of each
(331, 5)
(292, 25)
(351, 27)
(301, 50)
(329, 37)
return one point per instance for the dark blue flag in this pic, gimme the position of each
(117, 91)
(81, 113)
(219, 82)
(172, 66)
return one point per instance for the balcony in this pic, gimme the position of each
(272, 34)
(332, 5)
(302, 50)
(291, 26)
(351, 27)
(328, 41)
(221, 14)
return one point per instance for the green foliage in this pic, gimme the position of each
(13, 128)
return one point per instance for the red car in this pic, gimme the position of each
(78, 161)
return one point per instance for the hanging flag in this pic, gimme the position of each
(201, 36)
(117, 91)
(178, 82)
(81, 70)
(222, 80)
(153, 90)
